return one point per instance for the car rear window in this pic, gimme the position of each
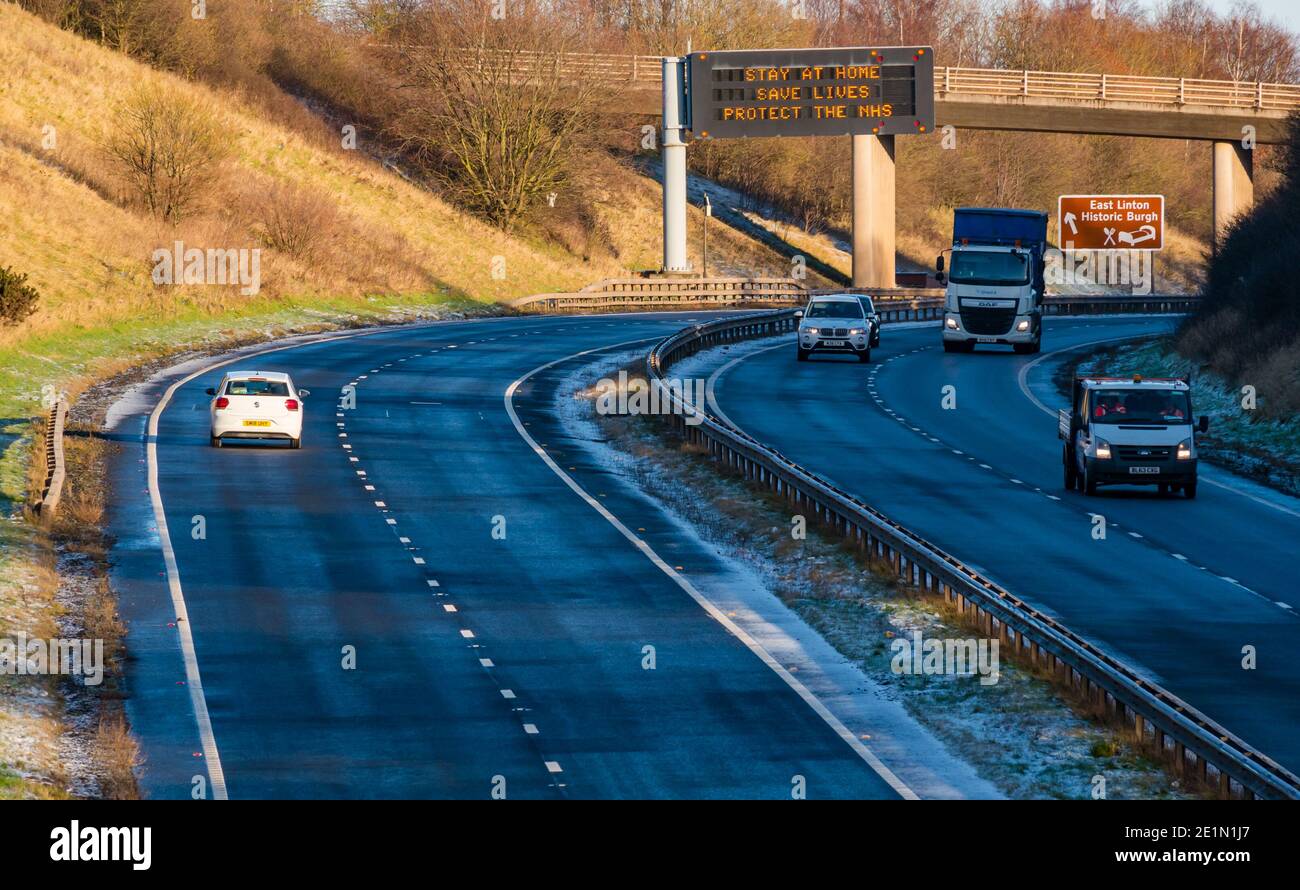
(256, 387)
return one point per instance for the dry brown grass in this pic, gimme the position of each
(117, 757)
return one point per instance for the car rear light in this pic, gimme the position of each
(291, 404)
(222, 402)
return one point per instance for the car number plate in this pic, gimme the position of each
(988, 339)
(834, 343)
(257, 423)
(1144, 471)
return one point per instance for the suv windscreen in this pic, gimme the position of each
(867, 305)
(834, 309)
(1139, 407)
(257, 388)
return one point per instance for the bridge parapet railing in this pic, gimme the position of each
(893, 304)
(955, 82)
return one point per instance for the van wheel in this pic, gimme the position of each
(1089, 482)
(1189, 491)
(214, 441)
(1071, 473)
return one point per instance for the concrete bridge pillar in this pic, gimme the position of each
(873, 211)
(1234, 184)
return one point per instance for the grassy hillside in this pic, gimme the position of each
(368, 245)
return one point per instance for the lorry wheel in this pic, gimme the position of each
(864, 356)
(1189, 490)
(803, 353)
(1162, 489)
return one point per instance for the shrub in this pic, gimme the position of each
(18, 299)
(166, 147)
(294, 219)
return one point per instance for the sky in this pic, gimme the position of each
(1284, 12)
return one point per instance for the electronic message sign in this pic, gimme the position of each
(886, 91)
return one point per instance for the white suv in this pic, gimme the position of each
(256, 405)
(835, 323)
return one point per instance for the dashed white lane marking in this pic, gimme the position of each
(467, 634)
(448, 607)
(530, 728)
(507, 693)
(419, 560)
(553, 767)
(1134, 535)
(431, 582)
(1179, 556)
(486, 662)
(818, 707)
(1282, 604)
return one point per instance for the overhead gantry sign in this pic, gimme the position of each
(869, 93)
(811, 92)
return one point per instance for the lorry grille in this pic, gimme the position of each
(987, 322)
(1135, 452)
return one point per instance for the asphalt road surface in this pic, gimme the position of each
(1177, 588)
(416, 605)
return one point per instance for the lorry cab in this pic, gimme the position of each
(994, 283)
(1130, 431)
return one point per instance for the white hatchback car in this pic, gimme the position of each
(256, 405)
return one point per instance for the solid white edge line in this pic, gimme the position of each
(211, 754)
(216, 776)
(703, 602)
(1023, 380)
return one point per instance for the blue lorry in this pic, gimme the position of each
(994, 282)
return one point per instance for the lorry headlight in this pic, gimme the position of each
(1103, 449)
(1185, 449)
(1023, 326)
(951, 323)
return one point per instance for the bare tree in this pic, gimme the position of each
(166, 147)
(493, 110)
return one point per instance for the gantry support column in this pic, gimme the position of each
(873, 211)
(1234, 184)
(673, 151)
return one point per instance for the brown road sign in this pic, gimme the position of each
(1111, 222)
